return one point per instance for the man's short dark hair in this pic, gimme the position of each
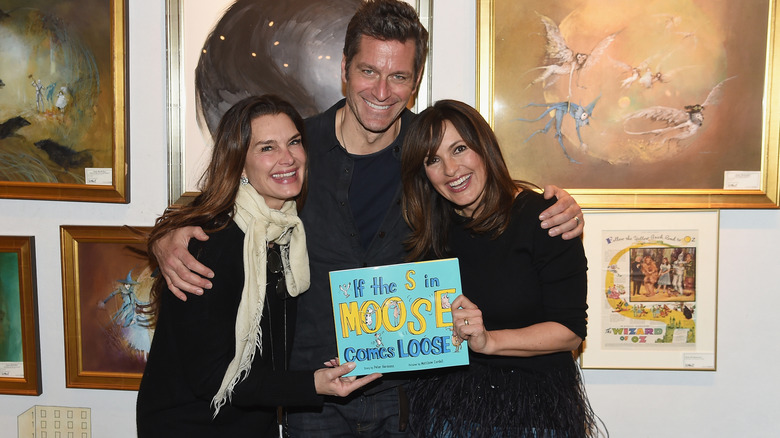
(387, 20)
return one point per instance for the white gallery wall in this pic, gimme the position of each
(739, 399)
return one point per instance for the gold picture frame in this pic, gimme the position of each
(190, 22)
(64, 137)
(106, 281)
(652, 289)
(629, 156)
(19, 347)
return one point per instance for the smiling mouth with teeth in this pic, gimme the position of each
(460, 181)
(375, 106)
(284, 175)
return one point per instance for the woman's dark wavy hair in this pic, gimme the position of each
(428, 213)
(219, 184)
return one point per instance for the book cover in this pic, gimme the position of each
(397, 317)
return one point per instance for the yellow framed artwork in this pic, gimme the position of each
(663, 104)
(106, 281)
(62, 100)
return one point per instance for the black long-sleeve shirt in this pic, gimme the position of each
(333, 220)
(522, 278)
(195, 341)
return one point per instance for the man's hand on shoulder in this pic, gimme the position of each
(182, 272)
(563, 218)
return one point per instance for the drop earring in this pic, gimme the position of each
(244, 180)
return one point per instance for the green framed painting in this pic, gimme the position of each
(19, 348)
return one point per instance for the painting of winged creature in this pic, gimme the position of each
(644, 75)
(581, 116)
(677, 124)
(673, 82)
(563, 60)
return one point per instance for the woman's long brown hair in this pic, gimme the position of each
(219, 183)
(428, 213)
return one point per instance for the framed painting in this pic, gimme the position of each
(236, 48)
(652, 289)
(19, 348)
(106, 282)
(62, 100)
(663, 104)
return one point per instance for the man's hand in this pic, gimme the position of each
(177, 264)
(564, 217)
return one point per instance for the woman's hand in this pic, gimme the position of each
(534, 340)
(564, 217)
(329, 381)
(332, 363)
(177, 264)
(468, 324)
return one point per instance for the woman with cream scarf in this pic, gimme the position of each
(218, 362)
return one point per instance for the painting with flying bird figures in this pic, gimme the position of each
(634, 104)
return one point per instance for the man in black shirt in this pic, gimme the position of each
(352, 211)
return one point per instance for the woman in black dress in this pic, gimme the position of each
(523, 308)
(218, 362)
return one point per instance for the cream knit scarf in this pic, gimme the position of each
(261, 225)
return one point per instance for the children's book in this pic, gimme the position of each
(397, 317)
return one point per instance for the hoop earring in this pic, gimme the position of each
(244, 180)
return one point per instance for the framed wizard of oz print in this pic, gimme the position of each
(663, 104)
(652, 289)
(106, 283)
